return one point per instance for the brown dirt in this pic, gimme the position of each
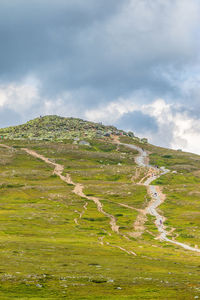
(121, 248)
(138, 225)
(160, 193)
(128, 206)
(78, 188)
(6, 146)
(116, 139)
(136, 176)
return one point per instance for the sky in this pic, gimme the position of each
(134, 64)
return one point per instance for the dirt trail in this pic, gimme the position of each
(157, 198)
(128, 206)
(136, 175)
(6, 146)
(84, 209)
(139, 224)
(78, 188)
(76, 221)
(151, 172)
(156, 195)
(101, 242)
(80, 213)
(121, 248)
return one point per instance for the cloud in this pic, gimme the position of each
(103, 60)
(176, 127)
(139, 122)
(162, 123)
(18, 97)
(19, 100)
(115, 46)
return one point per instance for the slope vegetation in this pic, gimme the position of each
(57, 128)
(74, 222)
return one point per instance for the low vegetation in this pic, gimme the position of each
(57, 245)
(51, 128)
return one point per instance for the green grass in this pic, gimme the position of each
(44, 254)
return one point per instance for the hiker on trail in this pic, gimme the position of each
(160, 222)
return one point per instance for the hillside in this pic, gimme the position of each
(58, 128)
(119, 219)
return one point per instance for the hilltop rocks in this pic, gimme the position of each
(55, 128)
(131, 134)
(144, 141)
(84, 143)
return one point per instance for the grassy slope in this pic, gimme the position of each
(45, 255)
(182, 205)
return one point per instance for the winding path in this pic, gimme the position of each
(157, 197)
(6, 146)
(78, 188)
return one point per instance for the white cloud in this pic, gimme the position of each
(18, 97)
(26, 101)
(62, 106)
(83, 54)
(111, 112)
(175, 127)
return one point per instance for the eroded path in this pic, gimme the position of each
(6, 146)
(157, 198)
(78, 190)
(155, 192)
